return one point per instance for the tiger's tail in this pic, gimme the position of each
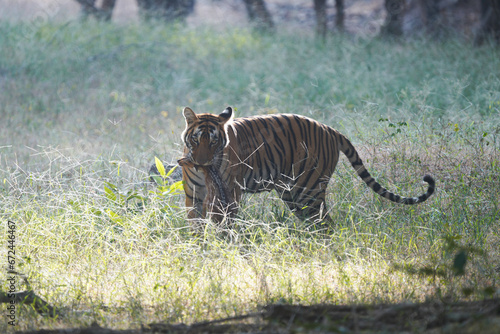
(348, 149)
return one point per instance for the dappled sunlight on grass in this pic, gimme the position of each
(87, 107)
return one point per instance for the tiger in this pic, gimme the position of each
(291, 154)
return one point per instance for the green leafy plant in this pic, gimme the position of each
(164, 187)
(397, 127)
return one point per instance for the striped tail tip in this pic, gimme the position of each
(430, 180)
(422, 198)
(432, 185)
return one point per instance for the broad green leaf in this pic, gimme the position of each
(109, 194)
(172, 170)
(114, 216)
(158, 180)
(135, 196)
(160, 167)
(177, 186)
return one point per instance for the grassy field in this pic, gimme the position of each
(85, 108)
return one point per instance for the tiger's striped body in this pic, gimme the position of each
(292, 154)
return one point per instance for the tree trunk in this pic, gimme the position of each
(339, 7)
(107, 9)
(321, 22)
(258, 14)
(490, 22)
(168, 10)
(431, 17)
(89, 8)
(393, 25)
(321, 17)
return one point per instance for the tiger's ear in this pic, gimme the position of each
(226, 115)
(189, 115)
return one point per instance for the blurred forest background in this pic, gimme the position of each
(474, 20)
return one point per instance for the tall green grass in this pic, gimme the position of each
(85, 108)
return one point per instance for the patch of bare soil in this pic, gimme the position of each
(430, 317)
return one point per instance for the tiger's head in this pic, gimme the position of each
(205, 136)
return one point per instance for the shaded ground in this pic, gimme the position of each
(430, 317)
